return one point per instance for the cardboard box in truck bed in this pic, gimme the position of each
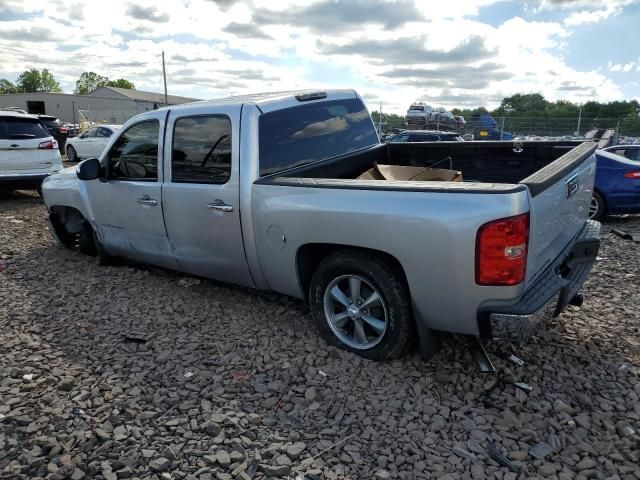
(415, 174)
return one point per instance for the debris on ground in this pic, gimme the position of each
(627, 234)
(79, 401)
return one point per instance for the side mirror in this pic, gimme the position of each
(89, 169)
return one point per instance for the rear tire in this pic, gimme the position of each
(360, 302)
(597, 208)
(72, 155)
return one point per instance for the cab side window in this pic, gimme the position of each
(90, 133)
(201, 149)
(134, 155)
(104, 132)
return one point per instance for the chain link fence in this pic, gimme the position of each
(561, 127)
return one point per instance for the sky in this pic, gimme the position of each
(453, 53)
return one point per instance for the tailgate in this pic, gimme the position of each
(24, 154)
(560, 197)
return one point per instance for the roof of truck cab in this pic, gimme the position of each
(269, 101)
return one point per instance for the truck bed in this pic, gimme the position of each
(553, 175)
(479, 162)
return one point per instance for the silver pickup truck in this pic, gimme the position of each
(263, 191)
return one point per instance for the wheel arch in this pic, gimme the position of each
(309, 256)
(67, 147)
(66, 222)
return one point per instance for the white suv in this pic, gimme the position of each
(28, 152)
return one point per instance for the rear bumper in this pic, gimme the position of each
(22, 180)
(549, 295)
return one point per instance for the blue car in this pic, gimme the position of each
(617, 185)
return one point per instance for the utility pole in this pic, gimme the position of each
(164, 76)
(380, 121)
(579, 119)
(73, 112)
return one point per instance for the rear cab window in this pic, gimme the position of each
(201, 149)
(14, 128)
(312, 132)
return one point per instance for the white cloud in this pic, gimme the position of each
(393, 51)
(620, 67)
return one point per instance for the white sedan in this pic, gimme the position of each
(91, 143)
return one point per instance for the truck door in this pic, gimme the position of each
(127, 207)
(201, 194)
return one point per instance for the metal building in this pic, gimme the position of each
(104, 105)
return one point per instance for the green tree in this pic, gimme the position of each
(121, 83)
(35, 80)
(7, 87)
(391, 120)
(562, 109)
(88, 82)
(529, 104)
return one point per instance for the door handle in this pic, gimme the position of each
(147, 200)
(219, 206)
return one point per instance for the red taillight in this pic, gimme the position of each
(62, 129)
(48, 145)
(501, 251)
(634, 175)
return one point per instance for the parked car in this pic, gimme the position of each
(425, 136)
(28, 152)
(56, 129)
(90, 143)
(617, 185)
(630, 151)
(13, 109)
(419, 113)
(263, 191)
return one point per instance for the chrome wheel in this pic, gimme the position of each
(355, 312)
(594, 206)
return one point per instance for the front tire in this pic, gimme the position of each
(360, 302)
(72, 155)
(597, 208)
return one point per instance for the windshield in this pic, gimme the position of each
(418, 109)
(311, 132)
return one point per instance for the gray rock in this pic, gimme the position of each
(223, 458)
(540, 450)
(120, 433)
(276, 470)
(295, 450)
(310, 394)
(561, 407)
(66, 384)
(160, 464)
(437, 423)
(586, 463)
(477, 472)
(77, 474)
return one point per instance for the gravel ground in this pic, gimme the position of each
(229, 383)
